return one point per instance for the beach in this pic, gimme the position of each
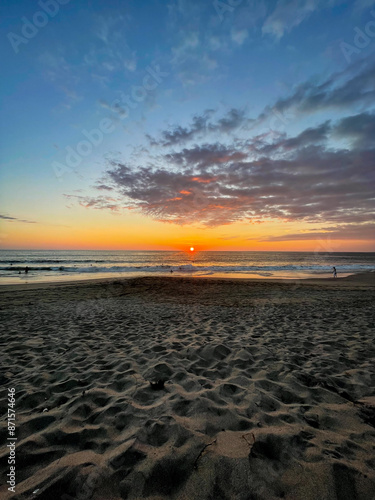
(190, 388)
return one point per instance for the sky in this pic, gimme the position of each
(226, 125)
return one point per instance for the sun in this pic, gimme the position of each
(191, 249)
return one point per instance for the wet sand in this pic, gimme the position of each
(191, 388)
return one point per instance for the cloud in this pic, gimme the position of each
(60, 73)
(16, 219)
(234, 119)
(114, 54)
(290, 13)
(205, 155)
(360, 129)
(341, 91)
(179, 135)
(116, 107)
(228, 238)
(343, 232)
(195, 54)
(351, 88)
(310, 136)
(212, 172)
(299, 179)
(98, 203)
(183, 51)
(239, 36)
(201, 125)
(103, 187)
(191, 56)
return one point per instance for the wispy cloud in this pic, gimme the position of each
(98, 202)
(350, 88)
(16, 219)
(239, 36)
(343, 232)
(115, 53)
(200, 126)
(289, 14)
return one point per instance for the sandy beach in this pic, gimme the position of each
(190, 388)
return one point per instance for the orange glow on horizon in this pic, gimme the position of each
(84, 230)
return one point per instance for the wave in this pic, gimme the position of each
(52, 261)
(189, 268)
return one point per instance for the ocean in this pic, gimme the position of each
(64, 265)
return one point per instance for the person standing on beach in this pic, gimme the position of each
(334, 272)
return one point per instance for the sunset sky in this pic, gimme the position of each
(227, 125)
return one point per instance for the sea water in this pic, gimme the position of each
(63, 265)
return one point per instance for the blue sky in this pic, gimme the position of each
(187, 78)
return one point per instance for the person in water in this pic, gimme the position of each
(334, 272)
(26, 269)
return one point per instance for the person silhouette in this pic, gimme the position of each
(334, 272)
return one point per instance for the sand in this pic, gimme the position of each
(191, 388)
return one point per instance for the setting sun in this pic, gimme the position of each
(191, 249)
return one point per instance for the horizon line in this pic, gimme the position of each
(182, 251)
